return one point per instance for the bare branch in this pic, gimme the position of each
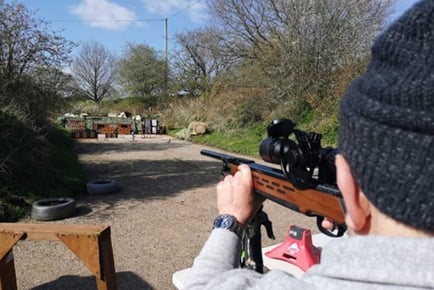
(95, 71)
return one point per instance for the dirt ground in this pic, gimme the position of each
(159, 220)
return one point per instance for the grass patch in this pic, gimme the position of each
(45, 167)
(246, 141)
(243, 141)
(66, 168)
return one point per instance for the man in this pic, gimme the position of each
(385, 172)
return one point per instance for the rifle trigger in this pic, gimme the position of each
(269, 229)
(265, 221)
(225, 168)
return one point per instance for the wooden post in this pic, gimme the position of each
(8, 280)
(91, 244)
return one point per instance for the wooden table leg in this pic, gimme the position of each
(97, 254)
(8, 279)
(91, 244)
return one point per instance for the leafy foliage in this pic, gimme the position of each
(242, 141)
(26, 43)
(142, 71)
(35, 165)
(32, 87)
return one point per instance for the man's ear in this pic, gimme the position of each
(358, 218)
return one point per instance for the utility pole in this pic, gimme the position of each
(166, 59)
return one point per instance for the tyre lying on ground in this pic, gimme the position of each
(53, 208)
(102, 186)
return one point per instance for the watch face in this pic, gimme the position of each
(224, 222)
(227, 222)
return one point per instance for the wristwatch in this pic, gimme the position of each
(230, 223)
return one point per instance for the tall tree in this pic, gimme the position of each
(95, 70)
(31, 58)
(26, 43)
(199, 59)
(27, 47)
(299, 45)
(142, 71)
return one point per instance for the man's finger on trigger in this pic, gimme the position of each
(244, 169)
(228, 178)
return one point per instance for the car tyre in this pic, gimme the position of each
(53, 208)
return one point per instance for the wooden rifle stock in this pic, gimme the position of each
(320, 200)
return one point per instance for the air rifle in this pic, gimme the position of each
(305, 181)
(320, 201)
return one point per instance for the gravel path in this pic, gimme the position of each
(159, 220)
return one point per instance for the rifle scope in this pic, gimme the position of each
(303, 160)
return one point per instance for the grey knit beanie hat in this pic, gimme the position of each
(386, 130)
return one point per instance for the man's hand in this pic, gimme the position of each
(235, 195)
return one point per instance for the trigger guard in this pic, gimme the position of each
(341, 229)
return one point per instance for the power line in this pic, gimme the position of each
(127, 20)
(108, 20)
(183, 9)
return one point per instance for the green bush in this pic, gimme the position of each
(34, 164)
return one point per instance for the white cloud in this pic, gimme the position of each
(194, 9)
(104, 14)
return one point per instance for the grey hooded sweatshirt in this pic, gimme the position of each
(359, 262)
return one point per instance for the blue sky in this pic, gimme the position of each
(115, 22)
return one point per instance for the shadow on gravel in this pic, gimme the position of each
(144, 179)
(125, 281)
(107, 147)
(82, 211)
(155, 178)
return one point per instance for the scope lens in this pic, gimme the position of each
(273, 149)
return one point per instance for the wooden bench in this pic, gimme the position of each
(91, 243)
